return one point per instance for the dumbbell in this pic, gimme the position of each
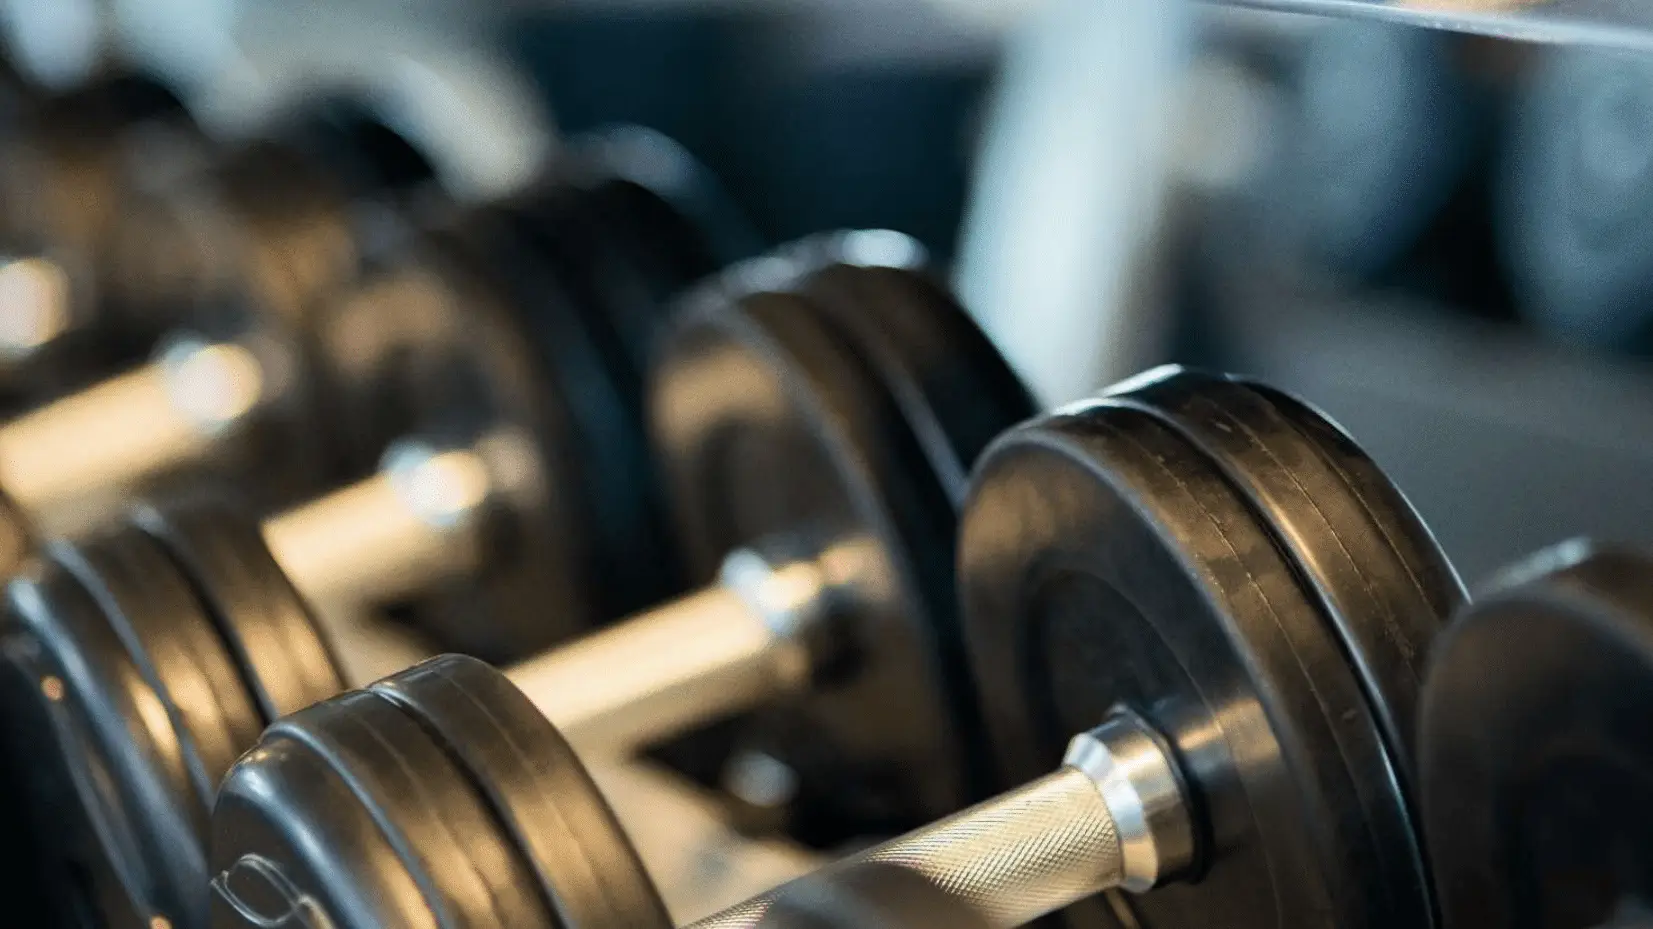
(62, 177)
(1203, 578)
(1536, 736)
(1574, 197)
(284, 394)
(1384, 177)
(246, 247)
(817, 412)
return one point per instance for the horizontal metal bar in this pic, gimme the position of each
(1611, 23)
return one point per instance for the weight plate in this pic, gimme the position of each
(868, 895)
(348, 140)
(149, 604)
(1386, 130)
(807, 438)
(634, 558)
(62, 190)
(262, 238)
(435, 350)
(954, 387)
(373, 769)
(600, 453)
(1337, 537)
(536, 787)
(679, 190)
(114, 794)
(1574, 197)
(1404, 530)
(1105, 560)
(280, 650)
(1536, 762)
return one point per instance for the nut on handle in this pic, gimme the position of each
(1113, 816)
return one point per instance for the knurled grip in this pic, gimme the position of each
(1014, 858)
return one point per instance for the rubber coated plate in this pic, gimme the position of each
(119, 775)
(602, 295)
(1536, 755)
(447, 842)
(1573, 218)
(537, 789)
(437, 350)
(868, 895)
(1105, 560)
(281, 651)
(1362, 191)
(814, 437)
(599, 454)
(1338, 537)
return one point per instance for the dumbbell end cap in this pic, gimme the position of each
(1133, 768)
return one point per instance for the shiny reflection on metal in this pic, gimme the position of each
(760, 779)
(1611, 23)
(214, 384)
(1133, 770)
(34, 306)
(1049, 843)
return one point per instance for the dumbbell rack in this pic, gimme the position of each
(1440, 399)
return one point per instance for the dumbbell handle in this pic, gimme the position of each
(417, 522)
(702, 657)
(414, 524)
(59, 463)
(1113, 816)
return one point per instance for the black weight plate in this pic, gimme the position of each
(1386, 130)
(601, 452)
(150, 604)
(444, 844)
(1404, 530)
(436, 350)
(113, 791)
(1574, 197)
(770, 423)
(956, 390)
(1341, 545)
(1104, 560)
(1536, 745)
(264, 240)
(281, 651)
(349, 140)
(671, 188)
(62, 189)
(868, 895)
(536, 787)
(634, 555)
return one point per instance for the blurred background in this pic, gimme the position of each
(1443, 237)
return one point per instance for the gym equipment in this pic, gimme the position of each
(245, 248)
(1223, 560)
(1386, 179)
(1574, 197)
(62, 176)
(818, 411)
(288, 389)
(1204, 567)
(1536, 745)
